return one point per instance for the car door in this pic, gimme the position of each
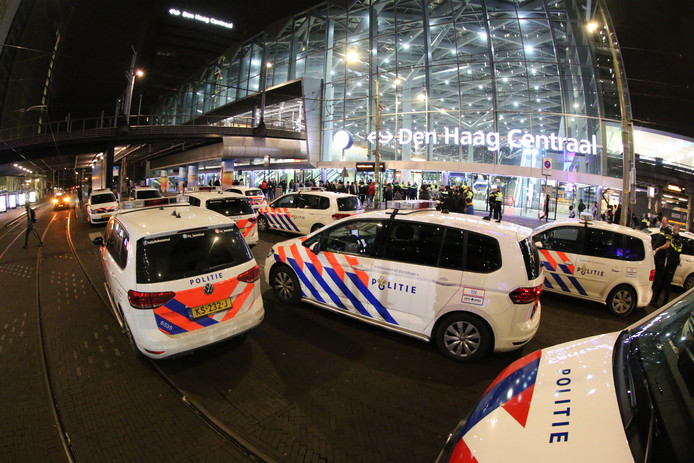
(601, 263)
(559, 251)
(411, 284)
(280, 213)
(114, 257)
(686, 266)
(336, 265)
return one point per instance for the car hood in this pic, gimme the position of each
(557, 404)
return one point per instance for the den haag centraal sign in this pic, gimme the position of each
(492, 140)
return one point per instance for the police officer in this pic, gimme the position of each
(661, 243)
(469, 207)
(495, 200)
(671, 263)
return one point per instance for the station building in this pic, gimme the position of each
(449, 92)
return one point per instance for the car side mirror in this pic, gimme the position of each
(99, 241)
(538, 244)
(316, 247)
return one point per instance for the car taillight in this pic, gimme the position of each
(250, 276)
(651, 277)
(140, 300)
(525, 295)
(253, 220)
(340, 216)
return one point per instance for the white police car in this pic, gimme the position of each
(144, 192)
(179, 277)
(232, 205)
(304, 212)
(684, 275)
(255, 195)
(597, 261)
(618, 397)
(101, 205)
(468, 285)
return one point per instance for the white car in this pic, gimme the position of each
(102, 204)
(619, 397)
(232, 205)
(466, 284)
(255, 195)
(597, 261)
(179, 277)
(306, 212)
(144, 192)
(684, 275)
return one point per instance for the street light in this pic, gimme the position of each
(627, 164)
(130, 75)
(353, 57)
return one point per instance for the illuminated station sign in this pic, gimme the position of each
(201, 18)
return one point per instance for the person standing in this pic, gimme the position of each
(581, 207)
(31, 220)
(672, 261)
(661, 243)
(594, 210)
(498, 200)
(545, 212)
(572, 213)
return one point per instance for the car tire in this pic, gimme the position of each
(285, 284)
(689, 282)
(316, 226)
(621, 301)
(263, 224)
(463, 337)
(138, 353)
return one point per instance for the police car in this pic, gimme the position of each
(232, 205)
(179, 277)
(597, 261)
(684, 275)
(435, 276)
(618, 397)
(306, 211)
(144, 192)
(255, 195)
(101, 205)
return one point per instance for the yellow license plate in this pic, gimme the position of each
(206, 309)
(105, 215)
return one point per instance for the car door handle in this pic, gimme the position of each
(444, 282)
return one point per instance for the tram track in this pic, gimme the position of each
(209, 419)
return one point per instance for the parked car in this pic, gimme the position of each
(101, 205)
(232, 205)
(255, 195)
(467, 285)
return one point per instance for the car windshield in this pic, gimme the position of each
(190, 253)
(103, 198)
(148, 194)
(654, 372)
(230, 206)
(349, 203)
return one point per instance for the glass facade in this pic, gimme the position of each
(494, 83)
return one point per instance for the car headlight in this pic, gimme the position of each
(67, 200)
(55, 200)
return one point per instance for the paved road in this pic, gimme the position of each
(306, 385)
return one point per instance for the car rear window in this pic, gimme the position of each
(103, 198)
(190, 253)
(531, 257)
(350, 203)
(230, 206)
(254, 193)
(147, 194)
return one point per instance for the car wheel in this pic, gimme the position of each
(316, 226)
(621, 301)
(689, 282)
(131, 340)
(263, 224)
(463, 337)
(285, 284)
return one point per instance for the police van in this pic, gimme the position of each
(618, 397)
(255, 195)
(101, 205)
(468, 285)
(179, 277)
(232, 205)
(684, 275)
(144, 192)
(597, 261)
(306, 211)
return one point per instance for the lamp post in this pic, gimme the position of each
(130, 75)
(627, 162)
